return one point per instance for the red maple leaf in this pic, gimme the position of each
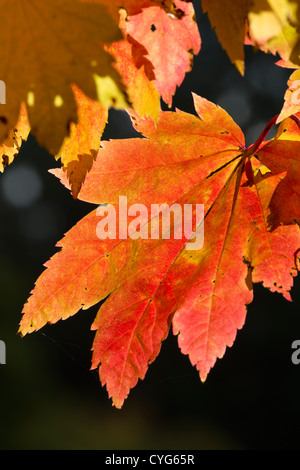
(251, 234)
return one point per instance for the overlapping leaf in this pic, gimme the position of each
(163, 37)
(68, 122)
(137, 73)
(274, 27)
(292, 95)
(229, 20)
(251, 235)
(78, 151)
(54, 44)
(170, 42)
(270, 25)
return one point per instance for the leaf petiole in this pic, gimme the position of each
(252, 148)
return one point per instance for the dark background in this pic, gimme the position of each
(49, 399)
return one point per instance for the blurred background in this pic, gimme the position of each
(49, 399)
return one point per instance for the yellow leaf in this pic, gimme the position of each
(228, 18)
(81, 147)
(274, 27)
(45, 47)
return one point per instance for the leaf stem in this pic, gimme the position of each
(252, 148)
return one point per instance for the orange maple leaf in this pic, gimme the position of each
(251, 234)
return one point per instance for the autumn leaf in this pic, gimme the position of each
(269, 25)
(79, 150)
(54, 44)
(228, 18)
(157, 52)
(274, 27)
(51, 97)
(137, 73)
(251, 235)
(170, 42)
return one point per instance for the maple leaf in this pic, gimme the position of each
(170, 42)
(160, 40)
(251, 234)
(54, 44)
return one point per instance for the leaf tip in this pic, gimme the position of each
(240, 65)
(118, 404)
(203, 376)
(20, 333)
